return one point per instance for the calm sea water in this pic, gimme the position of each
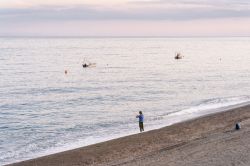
(43, 110)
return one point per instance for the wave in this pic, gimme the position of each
(205, 107)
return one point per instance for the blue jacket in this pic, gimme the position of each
(141, 117)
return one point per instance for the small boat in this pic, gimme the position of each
(178, 56)
(85, 65)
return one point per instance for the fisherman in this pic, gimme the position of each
(141, 118)
(237, 126)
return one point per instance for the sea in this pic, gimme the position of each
(49, 103)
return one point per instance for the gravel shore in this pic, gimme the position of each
(204, 141)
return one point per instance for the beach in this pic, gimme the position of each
(45, 111)
(207, 140)
(76, 74)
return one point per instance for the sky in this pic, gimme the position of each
(124, 17)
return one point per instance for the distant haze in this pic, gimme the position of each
(125, 18)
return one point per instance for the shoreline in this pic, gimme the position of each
(129, 149)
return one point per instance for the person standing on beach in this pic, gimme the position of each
(141, 118)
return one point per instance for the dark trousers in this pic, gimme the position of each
(141, 126)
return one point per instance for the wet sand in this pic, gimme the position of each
(208, 140)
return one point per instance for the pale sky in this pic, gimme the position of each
(124, 18)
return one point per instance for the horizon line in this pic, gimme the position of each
(122, 36)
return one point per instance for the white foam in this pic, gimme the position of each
(206, 107)
(213, 104)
